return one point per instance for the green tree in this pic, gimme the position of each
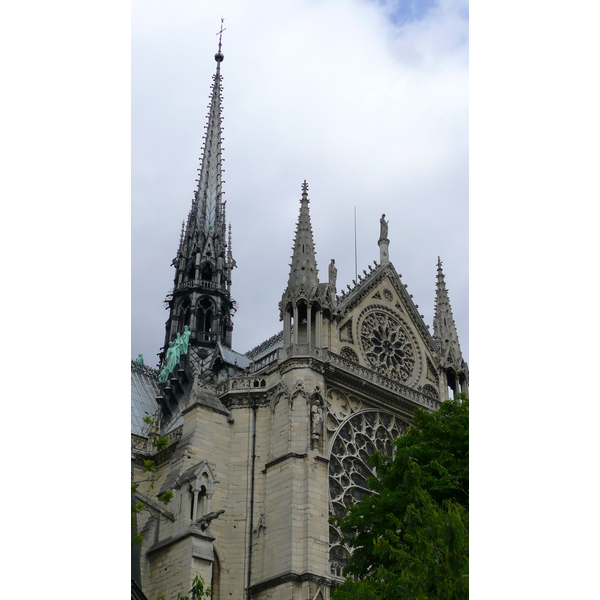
(198, 591)
(149, 469)
(410, 538)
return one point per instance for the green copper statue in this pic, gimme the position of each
(177, 347)
(185, 339)
(139, 360)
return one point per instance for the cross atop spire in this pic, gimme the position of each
(219, 56)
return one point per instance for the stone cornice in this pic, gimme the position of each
(283, 457)
(191, 532)
(155, 505)
(367, 381)
(287, 577)
(160, 458)
(204, 406)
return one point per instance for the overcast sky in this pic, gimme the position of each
(366, 100)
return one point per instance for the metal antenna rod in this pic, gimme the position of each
(355, 255)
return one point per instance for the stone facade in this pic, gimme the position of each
(265, 447)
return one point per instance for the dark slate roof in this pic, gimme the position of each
(266, 347)
(234, 358)
(206, 396)
(144, 390)
(136, 591)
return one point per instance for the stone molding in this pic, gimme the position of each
(155, 506)
(293, 577)
(192, 532)
(363, 378)
(162, 457)
(283, 457)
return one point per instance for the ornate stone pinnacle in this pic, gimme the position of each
(304, 191)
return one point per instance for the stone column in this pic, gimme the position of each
(287, 328)
(308, 325)
(195, 511)
(384, 256)
(319, 338)
(296, 325)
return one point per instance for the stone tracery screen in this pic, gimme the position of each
(355, 434)
(386, 344)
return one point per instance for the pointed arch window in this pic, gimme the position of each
(205, 315)
(190, 273)
(206, 274)
(224, 323)
(183, 315)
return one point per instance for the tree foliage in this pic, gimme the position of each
(410, 538)
(149, 468)
(198, 591)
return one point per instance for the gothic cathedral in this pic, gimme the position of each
(263, 447)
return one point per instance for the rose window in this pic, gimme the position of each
(360, 436)
(387, 346)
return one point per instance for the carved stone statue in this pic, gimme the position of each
(204, 522)
(383, 231)
(332, 273)
(316, 412)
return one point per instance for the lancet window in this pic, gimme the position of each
(205, 315)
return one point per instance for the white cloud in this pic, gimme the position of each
(372, 114)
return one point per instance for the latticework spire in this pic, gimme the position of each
(202, 284)
(444, 328)
(209, 193)
(303, 269)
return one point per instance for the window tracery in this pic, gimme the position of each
(355, 441)
(387, 346)
(349, 354)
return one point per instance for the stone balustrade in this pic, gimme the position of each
(302, 350)
(389, 384)
(175, 435)
(237, 384)
(364, 373)
(265, 360)
(200, 283)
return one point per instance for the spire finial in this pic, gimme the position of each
(304, 191)
(219, 55)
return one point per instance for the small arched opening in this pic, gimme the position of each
(206, 273)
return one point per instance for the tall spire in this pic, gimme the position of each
(209, 193)
(201, 298)
(303, 270)
(444, 328)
